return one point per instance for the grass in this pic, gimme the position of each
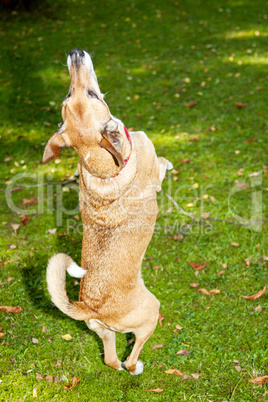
(152, 58)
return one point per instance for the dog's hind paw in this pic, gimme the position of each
(138, 370)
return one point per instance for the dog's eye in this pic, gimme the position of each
(92, 94)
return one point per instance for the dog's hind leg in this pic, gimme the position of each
(108, 338)
(142, 334)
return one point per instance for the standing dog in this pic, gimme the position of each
(119, 177)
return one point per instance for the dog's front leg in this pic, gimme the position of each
(108, 338)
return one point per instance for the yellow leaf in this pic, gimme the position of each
(67, 337)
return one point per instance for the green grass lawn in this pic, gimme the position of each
(152, 58)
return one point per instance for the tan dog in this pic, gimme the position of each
(119, 177)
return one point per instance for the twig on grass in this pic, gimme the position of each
(200, 219)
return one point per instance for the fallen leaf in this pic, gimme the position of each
(67, 337)
(194, 285)
(10, 309)
(9, 279)
(205, 215)
(220, 273)
(251, 139)
(158, 390)
(186, 377)
(240, 105)
(258, 308)
(235, 244)
(179, 327)
(174, 171)
(58, 364)
(256, 295)
(2, 334)
(212, 199)
(197, 267)
(191, 104)
(259, 380)
(161, 318)
(12, 246)
(157, 267)
(210, 292)
(174, 371)
(29, 201)
(39, 376)
(254, 174)
(24, 219)
(186, 160)
(74, 382)
(183, 352)
(195, 376)
(52, 231)
(247, 262)
(157, 346)
(238, 368)
(35, 393)
(49, 378)
(56, 378)
(34, 340)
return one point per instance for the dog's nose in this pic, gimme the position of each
(77, 51)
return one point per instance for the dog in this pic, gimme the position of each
(120, 175)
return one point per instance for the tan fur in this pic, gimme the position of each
(118, 209)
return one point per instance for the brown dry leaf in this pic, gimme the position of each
(10, 309)
(251, 139)
(258, 308)
(56, 378)
(238, 368)
(247, 262)
(158, 390)
(25, 219)
(49, 378)
(74, 382)
(158, 346)
(174, 371)
(215, 291)
(240, 105)
(34, 340)
(235, 244)
(183, 352)
(179, 327)
(157, 267)
(39, 376)
(29, 201)
(259, 380)
(58, 364)
(205, 215)
(186, 160)
(2, 334)
(256, 295)
(220, 273)
(191, 104)
(194, 285)
(161, 318)
(195, 376)
(209, 293)
(197, 267)
(174, 171)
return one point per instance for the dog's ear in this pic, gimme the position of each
(54, 146)
(112, 141)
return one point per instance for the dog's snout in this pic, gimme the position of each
(77, 52)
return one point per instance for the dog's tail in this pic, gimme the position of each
(56, 281)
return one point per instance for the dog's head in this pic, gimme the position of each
(88, 126)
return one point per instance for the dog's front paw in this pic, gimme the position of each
(138, 370)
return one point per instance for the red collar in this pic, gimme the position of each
(129, 139)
